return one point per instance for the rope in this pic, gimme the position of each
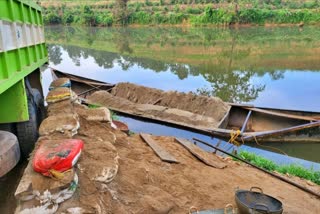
(271, 147)
(235, 134)
(233, 138)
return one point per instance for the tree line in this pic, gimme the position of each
(195, 12)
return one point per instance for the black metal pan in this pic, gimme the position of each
(252, 202)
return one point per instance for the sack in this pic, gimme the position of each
(56, 155)
(60, 83)
(58, 94)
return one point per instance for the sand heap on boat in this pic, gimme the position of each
(117, 173)
(186, 109)
(208, 106)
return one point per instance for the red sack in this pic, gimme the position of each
(58, 155)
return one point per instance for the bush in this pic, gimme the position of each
(140, 17)
(192, 10)
(175, 18)
(148, 3)
(158, 18)
(68, 18)
(52, 18)
(108, 20)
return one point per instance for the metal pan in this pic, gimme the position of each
(251, 202)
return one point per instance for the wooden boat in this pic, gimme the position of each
(242, 123)
(80, 85)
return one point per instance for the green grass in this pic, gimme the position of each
(293, 169)
(114, 115)
(93, 106)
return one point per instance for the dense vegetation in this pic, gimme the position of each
(195, 12)
(295, 170)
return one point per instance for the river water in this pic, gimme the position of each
(269, 67)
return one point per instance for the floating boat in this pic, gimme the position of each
(241, 123)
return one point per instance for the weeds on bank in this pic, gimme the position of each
(292, 169)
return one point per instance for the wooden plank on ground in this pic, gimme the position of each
(161, 152)
(207, 158)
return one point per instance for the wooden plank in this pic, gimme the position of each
(162, 153)
(245, 122)
(207, 158)
(25, 184)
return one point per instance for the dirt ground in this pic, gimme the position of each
(122, 174)
(145, 184)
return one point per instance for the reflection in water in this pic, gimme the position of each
(270, 67)
(237, 65)
(232, 86)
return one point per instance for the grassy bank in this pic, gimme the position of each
(181, 12)
(295, 170)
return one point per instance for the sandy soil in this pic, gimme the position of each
(157, 112)
(145, 184)
(122, 174)
(172, 99)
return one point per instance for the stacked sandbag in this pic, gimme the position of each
(55, 169)
(61, 117)
(55, 155)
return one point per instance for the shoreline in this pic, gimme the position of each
(189, 25)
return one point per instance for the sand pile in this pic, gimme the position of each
(157, 112)
(208, 106)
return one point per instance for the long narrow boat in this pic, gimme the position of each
(243, 123)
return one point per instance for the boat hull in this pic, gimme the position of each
(245, 123)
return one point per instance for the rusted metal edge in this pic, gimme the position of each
(292, 116)
(80, 79)
(282, 131)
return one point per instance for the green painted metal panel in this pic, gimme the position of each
(14, 104)
(18, 63)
